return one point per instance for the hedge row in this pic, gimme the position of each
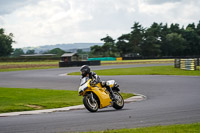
(27, 59)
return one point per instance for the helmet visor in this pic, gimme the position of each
(83, 73)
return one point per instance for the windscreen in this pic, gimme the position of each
(84, 80)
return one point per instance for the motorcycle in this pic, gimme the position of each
(95, 96)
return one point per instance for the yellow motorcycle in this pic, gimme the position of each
(95, 96)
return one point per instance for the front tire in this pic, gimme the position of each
(119, 103)
(90, 105)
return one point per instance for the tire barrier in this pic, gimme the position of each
(79, 63)
(186, 64)
(198, 61)
(177, 63)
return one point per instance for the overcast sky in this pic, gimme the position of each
(47, 22)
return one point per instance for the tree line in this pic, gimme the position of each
(159, 40)
(18, 51)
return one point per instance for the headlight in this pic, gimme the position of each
(80, 93)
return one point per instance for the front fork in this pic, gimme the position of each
(111, 93)
(91, 97)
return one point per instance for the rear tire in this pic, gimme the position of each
(119, 103)
(90, 105)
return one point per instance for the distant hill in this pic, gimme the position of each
(66, 47)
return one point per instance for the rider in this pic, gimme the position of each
(85, 72)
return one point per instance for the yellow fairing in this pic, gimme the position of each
(102, 94)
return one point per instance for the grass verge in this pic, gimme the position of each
(23, 69)
(182, 128)
(145, 61)
(30, 62)
(20, 99)
(46, 64)
(19, 66)
(154, 70)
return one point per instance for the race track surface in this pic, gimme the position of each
(170, 100)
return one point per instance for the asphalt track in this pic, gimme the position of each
(170, 100)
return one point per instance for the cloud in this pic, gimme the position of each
(157, 2)
(63, 21)
(184, 12)
(8, 6)
(1, 20)
(43, 22)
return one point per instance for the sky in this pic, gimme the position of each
(47, 22)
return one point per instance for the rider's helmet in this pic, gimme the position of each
(85, 69)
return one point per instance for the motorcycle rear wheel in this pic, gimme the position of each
(119, 103)
(90, 105)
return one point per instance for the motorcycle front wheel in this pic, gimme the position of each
(119, 103)
(90, 105)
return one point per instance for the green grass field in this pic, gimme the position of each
(154, 70)
(19, 99)
(145, 61)
(30, 62)
(21, 66)
(182, 128)
(24, 69)
(47, 64)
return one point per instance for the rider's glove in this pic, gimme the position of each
(103, 83)
(93, 82)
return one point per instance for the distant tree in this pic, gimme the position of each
(109, 46)
(176, 44)
(108, 49)
(30, 51)
(80, 51)
(96, 51)
(192, 40)
(152, 41)
(123, 45)
(197, 30)
(17, 52)
(164, 44)
(108, 39)
(5, 43)
(56, 51)
(136, 38)
(156, 41)
(151, 47)
(174, 28)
